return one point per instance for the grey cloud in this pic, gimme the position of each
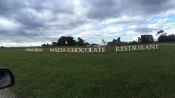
(19, 33)
(9, 7)
(41, 18)
(146, 7)
(57, 6)
(29, 21)
(144, 30)
(102, 9)
(26, 12)
(68, 24)
(13, 6)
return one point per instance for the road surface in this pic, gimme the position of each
(6, 93)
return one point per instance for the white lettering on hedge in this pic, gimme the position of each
(34, 50)
(137, 47)
(78, 50)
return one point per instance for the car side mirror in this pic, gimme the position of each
(6, 78)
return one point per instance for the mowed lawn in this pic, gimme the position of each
(143, 74)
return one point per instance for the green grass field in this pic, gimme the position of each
(143, 74)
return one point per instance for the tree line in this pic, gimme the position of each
(67, 41)
(70, 41)
(166, 38)
(143, 39)
(163, 37)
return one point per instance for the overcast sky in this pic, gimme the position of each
(34, 22)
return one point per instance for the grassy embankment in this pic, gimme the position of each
(105, 75)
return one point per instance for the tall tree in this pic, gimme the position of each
(160, 32)
(147, 39)
(80, 42)
(166, 38)
(54, 44)
(70, 41)
(66, 41)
